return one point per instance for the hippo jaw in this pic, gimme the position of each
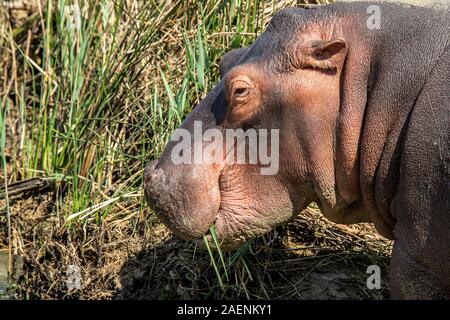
(237, 198)
(220, 199)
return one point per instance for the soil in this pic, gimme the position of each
(139, 258)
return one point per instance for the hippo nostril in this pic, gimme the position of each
(151, 165)
(149, 171)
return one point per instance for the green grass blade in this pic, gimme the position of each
(216, 269)
(213, 233)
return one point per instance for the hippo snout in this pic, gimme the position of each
(170, 193)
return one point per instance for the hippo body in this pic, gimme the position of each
(363, 117)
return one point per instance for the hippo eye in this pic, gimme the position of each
(241, 92)
(240, 88)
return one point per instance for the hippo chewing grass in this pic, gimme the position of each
(361, 114)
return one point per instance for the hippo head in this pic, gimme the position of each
(282, 93)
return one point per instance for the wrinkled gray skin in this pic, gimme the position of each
(369, 143)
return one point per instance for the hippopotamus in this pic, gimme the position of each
(361, 112)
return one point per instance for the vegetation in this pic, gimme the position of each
(86, 101)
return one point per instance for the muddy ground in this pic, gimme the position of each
(138, 258)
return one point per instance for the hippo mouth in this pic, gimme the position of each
(190, 199)
(184, 201)
(190, 211)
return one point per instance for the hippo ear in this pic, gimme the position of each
(231, 59)
(324, 54)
